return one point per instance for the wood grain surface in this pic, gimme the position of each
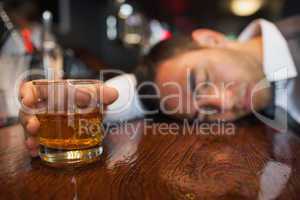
(147, 160)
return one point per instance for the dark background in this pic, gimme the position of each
(81, 24)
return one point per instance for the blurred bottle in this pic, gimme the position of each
(52, 56)
(129, 24)
(47, 59)
(126, 23)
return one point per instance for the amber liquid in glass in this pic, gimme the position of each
(70, 139)
(70, 131)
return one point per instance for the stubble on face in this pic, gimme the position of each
(222, 67)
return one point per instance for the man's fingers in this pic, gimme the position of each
(108, 94)
(29, 122)
(83, 97)
(32, 145)
(28, 94)
(86, 95)
(31, 94)
(31, 125)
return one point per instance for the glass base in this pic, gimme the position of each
(78, 157)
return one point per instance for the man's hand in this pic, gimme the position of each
(30, 95)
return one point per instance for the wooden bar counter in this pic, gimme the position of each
(163, 160)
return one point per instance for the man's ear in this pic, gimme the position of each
(209, 38)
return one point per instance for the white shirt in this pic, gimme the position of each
(278, 65)
(128, 105)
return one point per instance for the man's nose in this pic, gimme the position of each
(216, 103)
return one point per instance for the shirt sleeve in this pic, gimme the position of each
(128, 105)
(278, 64)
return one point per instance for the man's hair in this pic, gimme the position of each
(146, 71)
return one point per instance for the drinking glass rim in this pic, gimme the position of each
(65, 81)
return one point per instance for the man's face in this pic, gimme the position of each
(211, 84)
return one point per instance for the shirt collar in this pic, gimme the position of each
(277, 59)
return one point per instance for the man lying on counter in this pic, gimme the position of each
(205, 77)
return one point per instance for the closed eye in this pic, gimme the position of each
(207, 80)
(192, 80)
